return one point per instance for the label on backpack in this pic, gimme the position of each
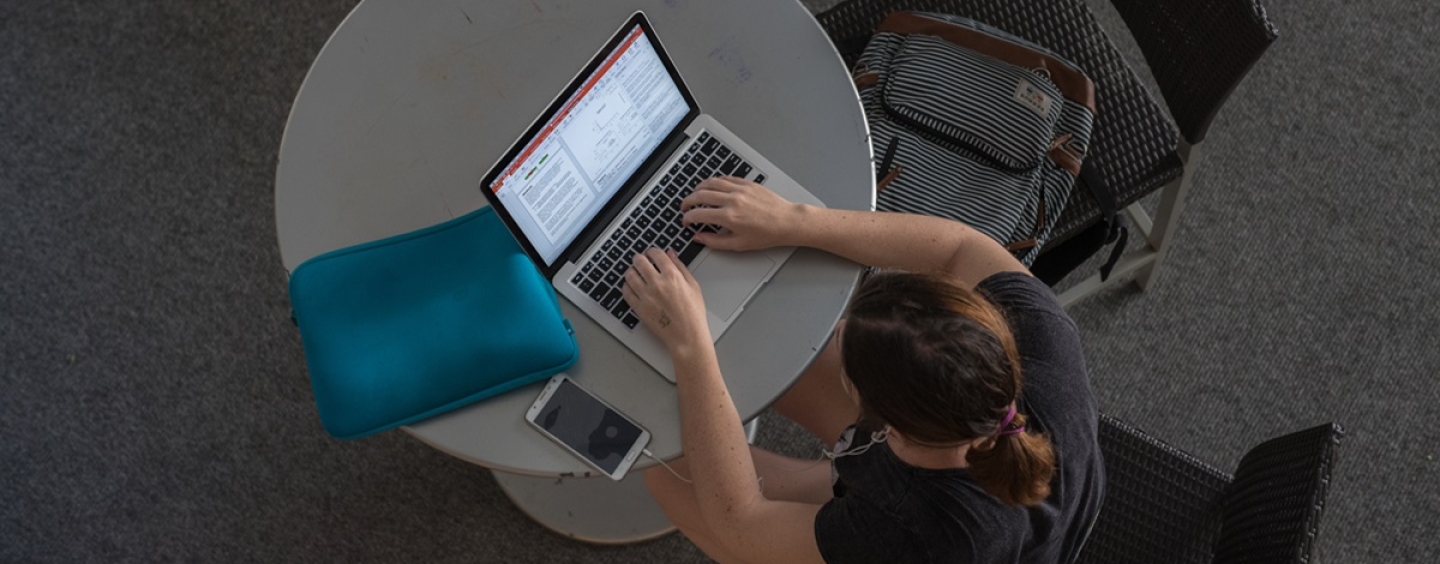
(1031, 97)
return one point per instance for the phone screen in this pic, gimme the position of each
(587, 426)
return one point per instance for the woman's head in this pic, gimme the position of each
(938, 363)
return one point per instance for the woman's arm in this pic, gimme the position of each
(755, 529)
(753, 217)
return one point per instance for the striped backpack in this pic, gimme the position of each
(975, 124)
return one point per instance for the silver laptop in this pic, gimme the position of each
(599, 176)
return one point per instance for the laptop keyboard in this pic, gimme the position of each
(655, 222)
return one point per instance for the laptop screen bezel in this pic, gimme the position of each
(629, 186)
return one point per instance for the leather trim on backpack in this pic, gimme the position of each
(1061, 153)
(1026, 244)
(890, 177)
(866, 80)
(1073, 84)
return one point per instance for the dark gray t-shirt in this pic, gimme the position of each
(888, 511)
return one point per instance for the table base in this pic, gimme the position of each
(594, 510)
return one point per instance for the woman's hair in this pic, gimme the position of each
(938, 363)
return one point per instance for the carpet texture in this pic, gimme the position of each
(156, 405)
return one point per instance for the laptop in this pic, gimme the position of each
(600, 174)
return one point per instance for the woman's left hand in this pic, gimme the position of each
(666, 297)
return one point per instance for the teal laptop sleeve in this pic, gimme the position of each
(415, 325)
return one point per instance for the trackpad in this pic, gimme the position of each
(727, 279)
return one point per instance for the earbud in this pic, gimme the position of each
(876, 437)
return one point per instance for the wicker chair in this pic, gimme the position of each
(1197, 50)
(1164, 506)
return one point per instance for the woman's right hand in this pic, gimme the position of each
(750, 216)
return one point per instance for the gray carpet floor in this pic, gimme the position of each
(154, 404)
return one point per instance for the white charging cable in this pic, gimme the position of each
(646, 452)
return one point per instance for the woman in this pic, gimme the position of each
(956, 390)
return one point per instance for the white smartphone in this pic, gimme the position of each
(588, 427)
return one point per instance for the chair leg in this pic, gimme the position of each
(1129, 263)
(1167, 217)
(1145, 263)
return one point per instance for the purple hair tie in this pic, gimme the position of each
(1005, 428)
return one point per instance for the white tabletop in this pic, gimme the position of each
(410, 103)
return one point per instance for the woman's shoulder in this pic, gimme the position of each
(1044, 333)
(1021, 295)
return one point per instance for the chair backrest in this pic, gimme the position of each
(1161, 504)
(1272, 509)
(1165, 506)
(1198, 51)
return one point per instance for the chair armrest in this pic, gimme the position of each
(1272, 509)
(1198, 51)
(1161, 504)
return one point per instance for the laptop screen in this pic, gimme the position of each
(566, 173)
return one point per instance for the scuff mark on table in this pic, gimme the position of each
(728, 55)
(381, 115)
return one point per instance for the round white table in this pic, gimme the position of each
(409, 104)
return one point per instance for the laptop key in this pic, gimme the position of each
(587, 285)
(678, 243)
(743, 170)
(606, 264)
(690, 168)
(759, 179)
(598, 293)
(621, 308)
(724, 152)
(630, 320)
(714, 162)
(728, 168)
(704, 136)
(691, 252)
(710, 146)
(610, 299)
(579, 277)
(612, 278)
(642, 222)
